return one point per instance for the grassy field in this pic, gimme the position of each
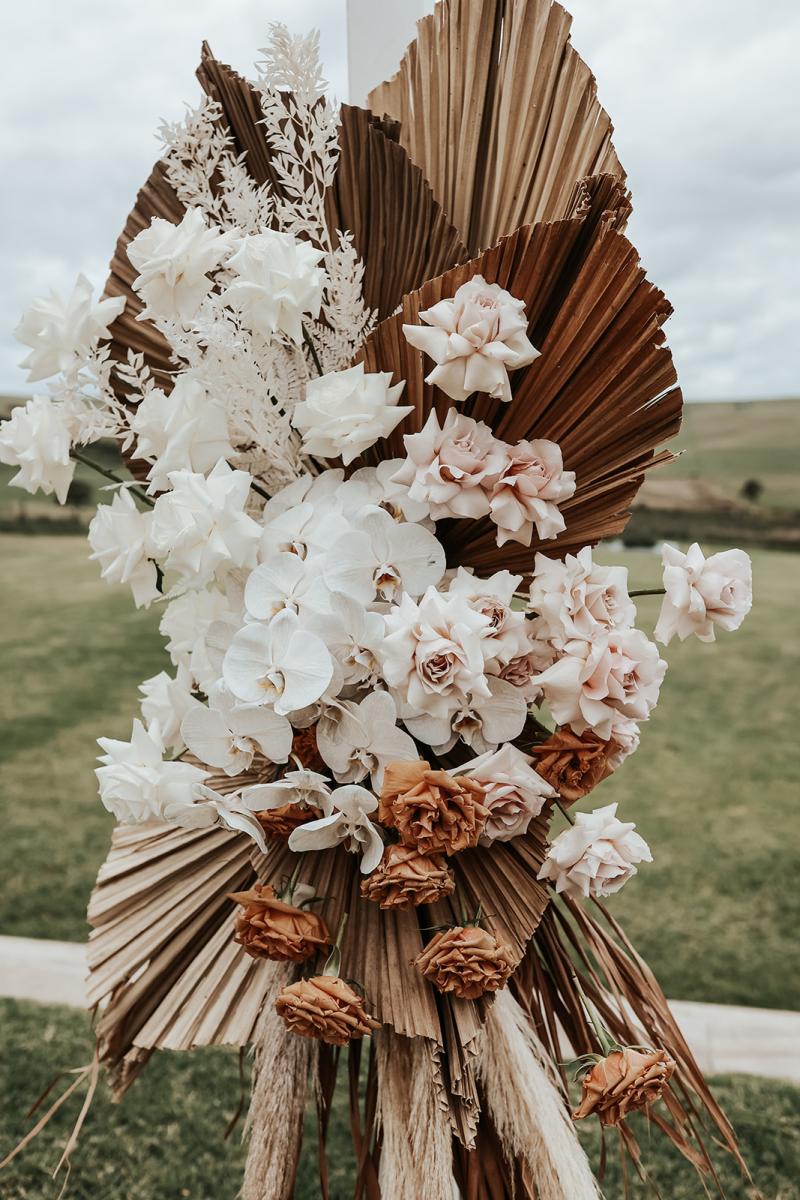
(166, 1140)
(727, 444)
(713, 788)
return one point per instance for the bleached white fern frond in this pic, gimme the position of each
(292, 63)
(343, 307)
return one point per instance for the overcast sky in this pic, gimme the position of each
(702, 94)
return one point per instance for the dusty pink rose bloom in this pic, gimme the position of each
(452, 468)
(514, 792)
(527, 494)
(703, 592)
(596, 856)
(475, 339)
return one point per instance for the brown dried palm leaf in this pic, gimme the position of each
(602, 386)
(573, 953)
(500, 112)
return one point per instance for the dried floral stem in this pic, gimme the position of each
(312, 349)
(107, 473)
(648, 592)
(564, 811)
(259, 490)
(334, 964)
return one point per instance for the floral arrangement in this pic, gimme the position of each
(366, 519)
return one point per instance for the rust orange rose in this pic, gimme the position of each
(280, 823)
(466, 960)
(432, 811)
(326, 1008)
(624, 1082)
(304, 747)
(266, 927)
(574, 765)
(405, 878)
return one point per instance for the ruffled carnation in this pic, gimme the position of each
(475, 339)
(574, 765)
(433, 812)
(703, 593)
(268, 927)
(624, 1082)
(527, 494)
(345, 412)
(404, 879)
(596, 856)
(467, 961)
(325, 1008)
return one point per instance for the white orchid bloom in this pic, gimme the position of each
(308, 789)
(348, 825)
(345, 412)
(377, 488)
(120, 538)
(201, 527)
(353, 635)
(136, 783)
(62, 333)
(285, 583)
(277, 281)
(165, 702)
(362, 738)
(227, 735)
(173, 262)
(482, 722)
(306, 530)
(36, 439)
(279, 664)
(226, 812)
(384, 557)
(187, 429)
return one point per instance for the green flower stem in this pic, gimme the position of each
(107, 473)
(312, 349)
(334, 964)
(565, 811)
(648, 592)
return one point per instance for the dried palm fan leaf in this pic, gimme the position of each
(492, 91)
(399, 231)
(574, 956)
(602, 386)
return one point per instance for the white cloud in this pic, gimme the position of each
(699, 94)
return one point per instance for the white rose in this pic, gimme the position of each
(62, 333)
(136, 784)
(515, 794)
(596, 856)
(475, 339)
(432, 655)
(165, 702)
(36, 439)
(173, 262)
(278, 281)
(119, 535)
(576, 598)
(593, 684)
(345, 412)
(186, 623)
(187, 430)
(200, 526)
(703, 592)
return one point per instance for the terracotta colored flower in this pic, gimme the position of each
(468, 961)
(624, 1082)
(405, 878)
(304, 747)
(279, 823)
(267, 927)
(573, 765)
(431, 810)
(326, 1008)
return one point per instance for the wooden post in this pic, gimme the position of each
(378, 32)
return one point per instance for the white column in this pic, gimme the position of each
(378, 32)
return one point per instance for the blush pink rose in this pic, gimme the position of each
(526, 496)
(451, 468)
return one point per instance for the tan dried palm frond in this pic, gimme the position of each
(500, 112)
(602, 387)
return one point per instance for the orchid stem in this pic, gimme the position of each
(312, 349)
(648, 592)
(107, 473)
(259, 490)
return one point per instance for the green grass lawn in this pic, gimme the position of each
(165, 1140)
(713, 788)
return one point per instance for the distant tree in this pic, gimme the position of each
(752, 490)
